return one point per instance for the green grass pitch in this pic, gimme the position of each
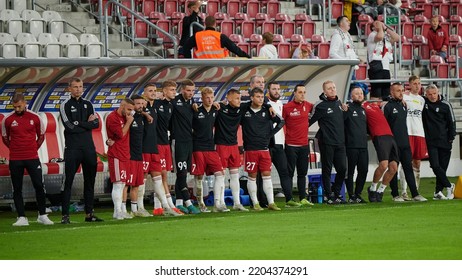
(425, 230)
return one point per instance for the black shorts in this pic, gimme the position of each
(386, 148)
(380, 90)
(182, 155)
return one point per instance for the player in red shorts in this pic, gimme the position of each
(205, 158)
(151, 158)
(226, 127)
(118, 124)
(164, 109)
(257, 130)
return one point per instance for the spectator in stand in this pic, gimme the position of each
(303, 51)
(341, 43)
(438, 39)
(268, 50)
(211, 44)
(193, 8)
(23, 133)
(379, 53)
(440, 131)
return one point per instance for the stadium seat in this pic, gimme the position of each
(9, 47)
(240, 17)
(141, 31)
(233, 7)
(296, 39)
(53, 145)
(273, 7)
(247, 28)
(407, 57)
(284, 50)
(336, 11)
(148, 6)
(237, 38)
(51, 48)
(323, 50)
(2, 5)
(177, 22)
(440, 67)
(308, 29)
(11, 22)
(72, 48)
(156, 16)
(254, 40)
(122, 12)
(363, 23)
(213, 7)
(164, 25)
(407, 29)
(170, 6)
(19, 5)
(443, 9)
(419, 20)
(420, 44)
(288, 28)
(92, 46)
(361, 73)
(427, 10)
(454, 41)
(268, 26)
(420, 3)
(253, 8)
(454, 20)
(219, 17)
(227, 27)
(55, 24)
(29, 46)
(34, 22)
(317, 39)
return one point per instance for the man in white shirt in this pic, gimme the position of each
(415, 104)
(268, 50)
(341, 43)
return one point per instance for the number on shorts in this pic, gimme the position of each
(163, 163)
(145, 165)
(123, 174)
(250, 165)
(193, 167)
(182, 165)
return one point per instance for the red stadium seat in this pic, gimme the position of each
(284, 50)
(272, 8)
(170, 6)
(253, 8)
(308, 29)
(213, 7)
(323, 50)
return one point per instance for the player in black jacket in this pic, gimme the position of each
(356, 145)
(181, 129)
(395, 112)
(257, 130)
(79, 119)
(328, 112)
(440, 131)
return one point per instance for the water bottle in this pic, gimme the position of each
(320, 197)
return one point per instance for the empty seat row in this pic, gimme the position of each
(27, 46)
(31, 21)
(17, 5)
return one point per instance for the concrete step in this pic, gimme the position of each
(126, 52)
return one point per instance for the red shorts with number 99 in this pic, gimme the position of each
(255, 161)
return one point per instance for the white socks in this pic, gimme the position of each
(199, 191)
(141, 190)
(159, 190)
(117, 190)
(235, 187)
(382, 188)
(402, 181)
(268, 189)
(417, 177)
(374, 187)
(252, 188)
(170, 201)
(219, 189)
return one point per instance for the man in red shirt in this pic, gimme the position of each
(118, 124)
(296, 115)
(23, 133)
(438, 40)
(385, 146)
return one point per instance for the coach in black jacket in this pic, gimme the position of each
(356, 145)
(395, 112)
(440, 130)
(328, 113)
